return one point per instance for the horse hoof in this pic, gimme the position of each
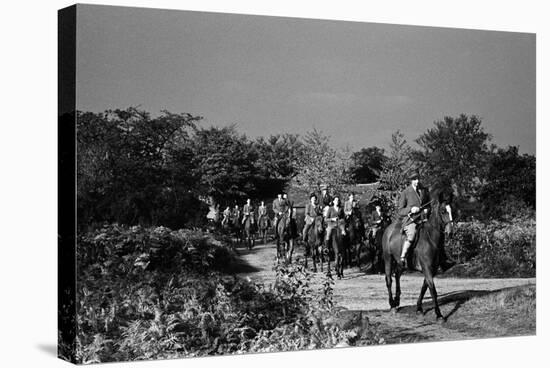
(420, 312)
(393, 310)
(441, 320)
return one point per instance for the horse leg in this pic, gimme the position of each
(338, 256)
(421, 297)
(388, 284)
(314, 251)
(278, 251)
(428, 277)
(358, 255)
(397, 288)
(290, 250)
(305, 255)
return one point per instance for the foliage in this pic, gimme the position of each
(494, 248)
(510, 183)
(123, 171)
(147, 293)
(396, 168)
(224, 161)
(136, 169)
(277, 164)
(367, 164)
(322, 164)
(453, 153)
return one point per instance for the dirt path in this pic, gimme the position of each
(360, 291)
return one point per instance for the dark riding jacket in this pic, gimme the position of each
(326, 200)
(248, 210)
(410, 198)
(312, 211)
(279, 206)
(262, 211)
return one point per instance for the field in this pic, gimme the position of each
(472, 307)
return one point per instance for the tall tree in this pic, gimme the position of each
(509, 182)
(454, 152)
(225, 163)
(321, 163)
(277, 163)
(122, 172)
(397, 166)
(367, 164)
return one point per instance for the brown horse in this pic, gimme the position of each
(249, 231)
(314, 245)
(354, 238)
(336, 239)
(425, 255)
(263, 226)
(285, 238)
(235, 227)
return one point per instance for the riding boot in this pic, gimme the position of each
(406, 246)
(444, 262)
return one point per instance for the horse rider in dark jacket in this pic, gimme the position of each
(292, 213)
(325, 200)
(248, 211)
(334, 218)
(413, 208)
(280, 206)
(378, 219)
(312, 211)
(236, 215)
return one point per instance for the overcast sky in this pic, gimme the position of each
(357, 82)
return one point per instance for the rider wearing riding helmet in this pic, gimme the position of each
(248, 211)
(349, 205)
(325, 200)
(312, 211)
(334, 216)
(279, 207)
(262, 210)
(413, 208)
(226, 215)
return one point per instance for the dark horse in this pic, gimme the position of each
(354, 238)
(314, 245)
(236, 228)
(425, 255)
(336, 239)
(285, 238)
(249, 231)
(375, 247)
(263, 226)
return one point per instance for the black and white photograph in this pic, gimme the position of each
(251, 184)
(267, 187)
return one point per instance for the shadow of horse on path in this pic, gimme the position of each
(458, 297)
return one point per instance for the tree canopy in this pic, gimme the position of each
(320, 163)
(454, 153)
(134, 168)
(367, 164)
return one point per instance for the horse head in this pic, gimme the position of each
(318, 225)
(443, 213)
(284, 224)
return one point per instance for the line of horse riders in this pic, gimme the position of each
(414, 240)
(412, 210)
(329, 207)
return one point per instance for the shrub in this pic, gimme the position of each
(495, 249)
(147, 293)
